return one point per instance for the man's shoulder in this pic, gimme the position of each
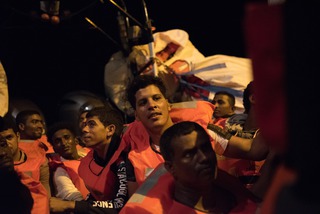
(198, 111)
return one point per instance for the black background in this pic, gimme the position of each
(43, 62)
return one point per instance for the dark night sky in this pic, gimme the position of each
(43, 62)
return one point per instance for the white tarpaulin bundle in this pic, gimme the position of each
(187, 64)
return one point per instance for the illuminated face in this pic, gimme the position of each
(82, 119)
(33, 128)
(222, 106)
(12, 140)
(64, 143)
(152, 109)
(94, 133)
(194, 162)
(6, 158)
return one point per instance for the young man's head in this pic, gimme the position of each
(62, 137)
(10, 179)
(248, 97)
(141, 82)
(30, 124)
(188, 154)
(82, 118)
(147, 95)
(224, 104)
(9, 131)
(102, 124)
(6, 156)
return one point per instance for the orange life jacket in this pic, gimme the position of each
(155, 196)
(71, 166)
(141, 156)
(35, 158)
(38, 193)
(99, 180)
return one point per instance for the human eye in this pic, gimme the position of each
(189, 153)
(157, 97)
(57, 141)
(91, 124)
(9, 137)
(142, 102)
(67, 137)
(220, 102)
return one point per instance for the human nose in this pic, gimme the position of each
(64, 141)
(202, 156)
(40, 124)
(152, 103)
(84, 128)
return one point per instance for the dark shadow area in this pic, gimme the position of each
(43, 62)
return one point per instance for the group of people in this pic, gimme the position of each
(194, 156)
(165, 161)
(175, 157)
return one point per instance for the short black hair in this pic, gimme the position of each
(232, 99)
(7, 122)
(143, 81)
(108, 115)
(59, 126)
(248, 91)
(22, 116)
(177, 130)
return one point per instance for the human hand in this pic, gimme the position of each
(48, 18)
(221, 132)
(58, 205)
(51, 11)
(179, 67)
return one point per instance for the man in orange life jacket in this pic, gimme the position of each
(64, 164)
(32, 131)
(11, 179)
(190, 180)
(103, 173)
(154, 114)
(225, 117)
(32, 171)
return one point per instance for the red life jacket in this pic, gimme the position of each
(71, 166)
(155, 196)
(36, 156)
(99, 180)
(38, 193)
(141, 156)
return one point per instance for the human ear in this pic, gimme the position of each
(18, 136)
(252, 99)
(169, 105)
(110, 129)
(21, 126)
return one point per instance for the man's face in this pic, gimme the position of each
(222, 106)
(12, 140)
(94, 132)
(194, 162)
(33, 128)
(6, 157)
(82, 119)
(152, 108)
(64, 143)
